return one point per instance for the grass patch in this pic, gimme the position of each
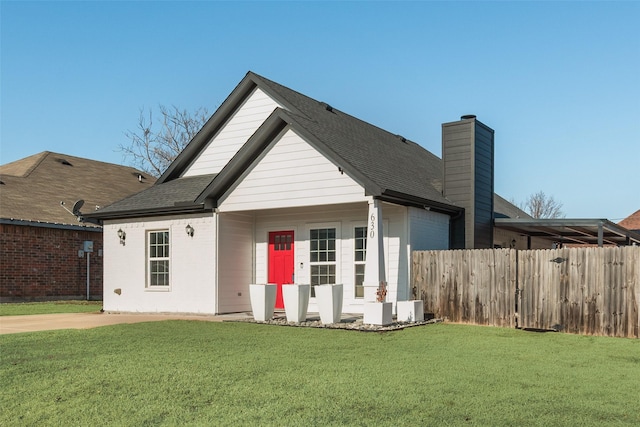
(50, 307)
(201, 373)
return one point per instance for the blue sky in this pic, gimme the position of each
(559, 82)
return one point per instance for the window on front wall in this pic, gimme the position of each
(359, 258)
(158, 262)
(322, 257)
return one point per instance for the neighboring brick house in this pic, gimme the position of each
(42, 253)
(632, 222)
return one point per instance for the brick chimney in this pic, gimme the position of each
(467, 154)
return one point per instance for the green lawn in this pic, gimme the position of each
(226, 374)
(26, 308)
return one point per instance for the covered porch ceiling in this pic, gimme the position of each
(571, 231)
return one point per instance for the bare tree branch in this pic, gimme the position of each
(539, 205)
(153, 148)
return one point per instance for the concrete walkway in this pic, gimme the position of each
(47, 322)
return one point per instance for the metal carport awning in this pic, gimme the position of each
(573, 231)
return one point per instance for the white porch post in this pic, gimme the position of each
(374, 268)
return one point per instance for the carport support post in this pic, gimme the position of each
(600, 235)
(374, 266)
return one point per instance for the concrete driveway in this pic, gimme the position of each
(46, 322)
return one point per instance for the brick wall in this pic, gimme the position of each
(39, 263)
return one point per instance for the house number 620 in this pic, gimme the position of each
(372, 229)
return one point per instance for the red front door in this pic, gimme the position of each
(280, 261)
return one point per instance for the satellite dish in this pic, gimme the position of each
(76, 207)
(76, 212)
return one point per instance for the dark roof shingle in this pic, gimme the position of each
(180, 192)
(389, 160)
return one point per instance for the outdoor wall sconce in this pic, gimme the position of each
(122, 235)
(189, 229)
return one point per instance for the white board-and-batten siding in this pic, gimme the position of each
(292, 174)
(226, 143)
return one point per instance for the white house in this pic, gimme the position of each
(280, 188)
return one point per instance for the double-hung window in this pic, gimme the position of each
(322, 256)
(158, 259)
(359, 258)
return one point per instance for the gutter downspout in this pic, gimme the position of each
(452, 220)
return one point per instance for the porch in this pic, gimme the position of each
(320, 245)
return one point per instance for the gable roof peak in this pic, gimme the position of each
(282, 95)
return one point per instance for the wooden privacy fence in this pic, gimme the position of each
(594, 291)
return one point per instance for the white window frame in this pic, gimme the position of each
(353, 254)
(150, 259)
(338, 252)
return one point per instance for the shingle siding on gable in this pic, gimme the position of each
(292, 173)
(226, 143)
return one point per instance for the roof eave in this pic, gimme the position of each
(160, 211)
(554, 227)
(44, 224)
(419, 202)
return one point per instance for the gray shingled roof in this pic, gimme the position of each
(178, 194)
(384, 163)
(390, 161)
